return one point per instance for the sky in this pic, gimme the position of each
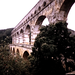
(71, 18)
(13, 11)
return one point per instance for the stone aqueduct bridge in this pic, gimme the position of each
(23, 35)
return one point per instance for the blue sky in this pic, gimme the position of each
(12, 11)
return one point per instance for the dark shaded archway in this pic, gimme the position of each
(27, 29)
(13, 50)
(25, 55)
(21, 31)
(40, 20)
(66, 6)
(38, 25)
(17, 51)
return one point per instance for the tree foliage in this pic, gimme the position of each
(54, 50)
(10, 65)
(5, 36)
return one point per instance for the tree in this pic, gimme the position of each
(10, 65)
(52, 48)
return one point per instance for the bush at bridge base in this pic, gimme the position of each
(10, 65)
(53, 51)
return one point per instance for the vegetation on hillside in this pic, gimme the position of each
(5, 36)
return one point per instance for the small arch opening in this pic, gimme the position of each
(44, 4)
(25, 55)
(17, 33)
(18, 51)
(39, 8)
(28, 17)
(27, 29)
(21, 31)
(31, 15)
(35, 12)
(13, 50)
(26, 20)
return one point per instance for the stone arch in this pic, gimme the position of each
(28, 35)
(20, 39)
(39, 8)
(35, 12)
(31, 15)
(25, 55)
(37, 26)
(21, 31)
(27, 30)
(44, 3)
(17, 33)
(17, 51)
(28, 18)
(40, 20)
(13, 50)
(66, 6)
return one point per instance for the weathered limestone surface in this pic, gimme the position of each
(27, 29)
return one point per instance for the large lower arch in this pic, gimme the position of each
(66, 6)
(37, 26)
(40, 20)
(25, 55)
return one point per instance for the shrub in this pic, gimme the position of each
(52, 48)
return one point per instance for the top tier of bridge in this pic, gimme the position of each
(54, 10)
(35, 10)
